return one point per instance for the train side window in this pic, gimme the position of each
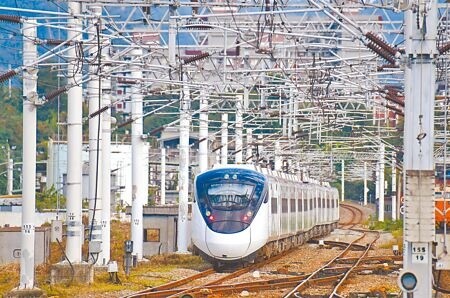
(293, 209)
(274, 205)
(300, 205)
(284, 205)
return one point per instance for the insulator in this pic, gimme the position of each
(156, 130)
(444, 49)
(55, 42)
(10, 19)
(382, 53)
(395, 109)
(196, 58)
(98, 112)
(384, 66)
(381, 43)
(125, 123)
(395, 99)
(52, 94)
(7, 75)
(198, 26)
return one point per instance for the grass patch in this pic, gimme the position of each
(186, 261)
(393, 226)
(155, 272)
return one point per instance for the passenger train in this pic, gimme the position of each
(241, 212)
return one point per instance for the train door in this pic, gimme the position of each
(319, 206)
(284, 208)
(297, 213)
(327, 204)
(274, 213)
(301, 207)
(308, 215)
(292, 210)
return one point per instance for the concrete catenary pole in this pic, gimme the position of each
(29, 156)
(238, 128)
(394, 187)
(377, 182)
(95, 138)
(381, 185)
(9, 171)
(249, 151)
(224, 140)
(203, 132)
(139, 191)
(105, 255)
(74, 140)
(420, 86)
(260, 149)
(163, 176)
(183, 175)
(342, 180)
(278, 159)
(365, 183)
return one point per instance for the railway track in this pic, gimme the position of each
(338, 274)
(357, 216)
(329, 277)
(173, 289)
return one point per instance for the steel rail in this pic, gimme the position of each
(235, 274)
(306, 282)
(173, 284)
(356, 264)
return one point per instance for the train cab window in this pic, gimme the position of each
(284, 205)
(274, 205)
(229, 196)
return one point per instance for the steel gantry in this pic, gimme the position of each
(319, 79)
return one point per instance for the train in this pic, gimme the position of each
(243, 212)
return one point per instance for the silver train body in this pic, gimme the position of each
(242, 211)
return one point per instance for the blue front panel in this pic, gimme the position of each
(229, 198)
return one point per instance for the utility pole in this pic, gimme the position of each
(163, 176)
(365, 184)
(9, 171)
(381, 184)
(105, 255)
(342, 180)
(238, 128)
(183, 175)
(95, 142)
(224, 140)
(249, 141)
(139, 191)
(278, 160)
(30, 97)
(203, 132)
(394, 187)
(74, 139)
(420, 82)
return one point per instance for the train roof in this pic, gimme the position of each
(269, 172)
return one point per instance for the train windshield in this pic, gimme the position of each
(229, 196)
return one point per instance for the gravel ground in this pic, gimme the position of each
(307, 259)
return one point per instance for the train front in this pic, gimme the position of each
(230, 216)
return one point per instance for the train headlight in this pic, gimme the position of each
(234, 177)
(247, 216)
(226, 176)
(208, 213)
(407, 281)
